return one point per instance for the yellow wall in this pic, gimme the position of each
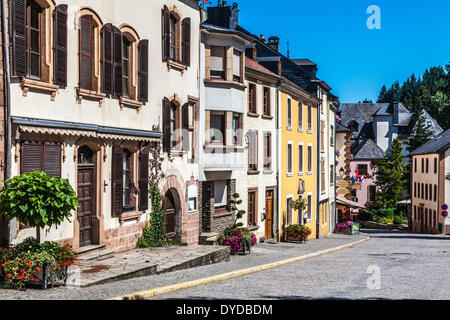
(289, 183)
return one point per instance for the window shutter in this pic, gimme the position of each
(52, 159)
(60, 45)
(185, 126)
(186, 41)
(118, 43)
(86, 52)
(143, 179)
(117, 180)
(18, 14)
(107, 59)
(165, 27)
(31, 157)
(143, 70)
(166, 125)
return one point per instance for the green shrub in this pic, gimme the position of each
(386, 213)
(398, 220)
(37, 199)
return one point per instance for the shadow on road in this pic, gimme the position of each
(402, 234)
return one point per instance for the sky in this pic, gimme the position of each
(354, 60)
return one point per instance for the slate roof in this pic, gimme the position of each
(436, 145)
(249, 63)
(341, 128)
(367, 149)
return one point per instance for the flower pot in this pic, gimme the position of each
(46, 277)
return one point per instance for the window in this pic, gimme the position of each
(309, 207)
(435, 193)
(176, 40)
(423, 165)
(415, 164)
(322, 176)
(86, 55)
(435, 165)
(237, 129)
(237, 66)
(127, 179)
(362, 169)
(426, 192)
(372, 192)
(126, 67)
(41, 156)
(266, 92)
(176, 130)
(253, 151)
(300, 158)
(173, 125)
(332, 136)
(427, 162)
(252, 208)
(218, 55)
(220, 194)
(173, 24)
(252, 98)
(310, 160)
(34, 13)
(300, 115)
(322, 136)
(268, 151)
(415, 189)
(309, 118)
(331, 175)
(217, 128)
(192, 198)
(289, 113)
(289, 210)
(289, 158)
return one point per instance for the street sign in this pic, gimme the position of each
(355, 228)
(444, 207)
(444, 214)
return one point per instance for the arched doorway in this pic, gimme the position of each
(171, 206)
(86, 192)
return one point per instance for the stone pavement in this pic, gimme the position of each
(144, 262)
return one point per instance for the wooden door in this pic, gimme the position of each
(269, 214)
(86, 197)
(169, 216)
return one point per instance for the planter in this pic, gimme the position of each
(47, 277)
(243, 251)
(302, 239)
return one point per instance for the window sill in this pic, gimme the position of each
(28, 84)
(214, 146)
(289, 128)
(135, 104)
(300, 173)
(252, 115)
(90, 95)
(131, 215)
(267, 117)
(253, 227)
(225, 83)
(309, 173)
(268, 171)
(222, 214)
(171, 64)
(300, 130)
(309, 131)
(253, 172)
(289, 175)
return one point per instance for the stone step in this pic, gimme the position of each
(209, 238)
(96, 255)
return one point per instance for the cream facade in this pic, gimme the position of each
(94, 138)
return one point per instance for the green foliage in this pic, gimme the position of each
(430, 92)
(154, 235)
(238, 239)
(384, 220)
(297, 232)
(390, 176)
(398, 220)
(299, 204)
(422, 133)
(37, 199)
(238, 214)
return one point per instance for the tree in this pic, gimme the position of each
(422, 132)
(238, 214)
(38, 200)
(390, 176)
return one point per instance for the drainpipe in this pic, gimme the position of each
(318, 165)
(278, 198)
(6, 68)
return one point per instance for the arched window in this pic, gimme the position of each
(85, 155)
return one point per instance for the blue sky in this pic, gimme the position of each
(352, 59)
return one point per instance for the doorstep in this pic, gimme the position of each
(144, 262)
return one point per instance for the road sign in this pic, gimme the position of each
(444, 214)
(444, 207)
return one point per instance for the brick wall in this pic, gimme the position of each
(123, 238)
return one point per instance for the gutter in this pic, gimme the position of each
(6, 68)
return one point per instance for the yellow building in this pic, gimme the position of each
(298, 155)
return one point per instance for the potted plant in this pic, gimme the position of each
(296, 233)
(343, 228)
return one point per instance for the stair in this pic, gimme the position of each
(94, 253)
(209, 238)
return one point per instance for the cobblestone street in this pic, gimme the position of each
(410, 268)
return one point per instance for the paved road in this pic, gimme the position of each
(410, 267)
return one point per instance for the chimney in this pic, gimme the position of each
(223, 15)
(262, 38)
(274, 43)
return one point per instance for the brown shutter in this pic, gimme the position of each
(143, 70)
(18, 14)
(52, 159)
(117, 180)
(186, 41)
(86, 51)
(143, 179)
(31, 157)
(166, 124)
(60, 45)
(185, 126)
(107, 58)
(165, 27)
(118, 43)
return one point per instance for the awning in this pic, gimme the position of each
(349, 203)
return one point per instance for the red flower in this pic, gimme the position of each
(9, 275)
(38, 269)
(25, 260)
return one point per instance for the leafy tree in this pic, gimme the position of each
(235, 201)
(422, 132)
(38, 200)
(390, 176)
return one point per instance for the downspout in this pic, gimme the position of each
(6, 68)
(278, 198)
(318, 165)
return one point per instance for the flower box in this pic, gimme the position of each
(47, 277)
(293, 240)
(296, 233)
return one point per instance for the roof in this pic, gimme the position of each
(304, 62)
(436, 145)
(249, 63)
(341, 128)
(367, 149)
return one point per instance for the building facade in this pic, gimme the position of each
(90, 103)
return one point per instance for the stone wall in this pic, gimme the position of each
(123, 238)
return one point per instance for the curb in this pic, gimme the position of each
(229, 275)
